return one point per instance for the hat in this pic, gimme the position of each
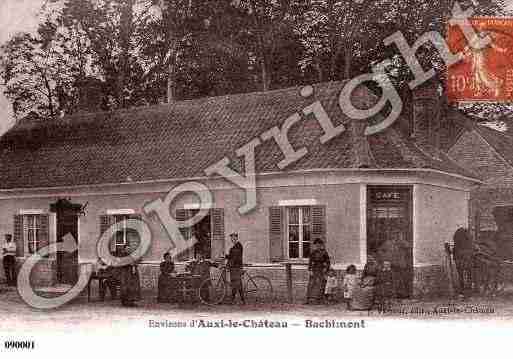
(234, 234)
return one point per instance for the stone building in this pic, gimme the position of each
(489, 154)
(78, 175)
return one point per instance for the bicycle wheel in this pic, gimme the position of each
(212, 291)
(258, 289)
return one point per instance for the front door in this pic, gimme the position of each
(389, 218)
(67, 227)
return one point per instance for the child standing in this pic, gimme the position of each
(349, 284)
(386, 286)
(330, 291)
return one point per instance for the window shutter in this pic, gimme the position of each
(44, 233)
(319, 223)
(105, 222)
(217, 225)
(18, 235)
(183, 215)
(276, 232)
(132, 236)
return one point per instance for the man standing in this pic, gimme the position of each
(463, 254)
(9, 259)
(235, 266)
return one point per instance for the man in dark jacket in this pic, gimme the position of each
(235, 263)
(463, 253)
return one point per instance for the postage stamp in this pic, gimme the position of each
(255, 178)
(485, 74)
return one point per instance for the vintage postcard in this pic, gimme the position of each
(256, 177)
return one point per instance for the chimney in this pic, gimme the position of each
(426, 117)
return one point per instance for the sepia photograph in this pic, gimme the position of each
(186, 177)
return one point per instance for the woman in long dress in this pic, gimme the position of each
(166, 284)
(130, 283)
(318, 267)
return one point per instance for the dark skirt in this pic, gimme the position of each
(316, 286)
(364, 294)
(167, 288)
(130, 285)
(236, 278)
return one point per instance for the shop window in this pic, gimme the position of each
(388, 217)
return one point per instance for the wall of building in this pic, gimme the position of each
(484, 200)
(438, 213)
(438, 210)
(343, 218)
(473, 152)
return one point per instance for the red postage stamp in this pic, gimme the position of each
(484, 74)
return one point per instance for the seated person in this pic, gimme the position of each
(107, 279)
(166, 285)
(364, 293)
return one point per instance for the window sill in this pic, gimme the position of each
(294, 261)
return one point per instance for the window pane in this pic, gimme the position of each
(294, 250)
(395, 212)
(306, 215)
(306, 249)
(306, 233)
(307, 230)
(37, 234)
(132, 238)
(293, 233)
(294, 215)
(120, 238)
(30, 240)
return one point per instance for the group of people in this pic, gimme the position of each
(380, 280)
(125, 278)
(384, 278)
(167, 288)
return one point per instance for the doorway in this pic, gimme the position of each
(201, 230)
(389, 219)
(67, 215)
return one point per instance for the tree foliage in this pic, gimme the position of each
(108, 54)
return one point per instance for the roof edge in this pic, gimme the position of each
(265, 174)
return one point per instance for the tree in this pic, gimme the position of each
(267, 23)
(37, 73)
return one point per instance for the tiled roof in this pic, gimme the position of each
(500, 141)
(182, 139)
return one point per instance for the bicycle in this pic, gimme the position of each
(257, 288)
